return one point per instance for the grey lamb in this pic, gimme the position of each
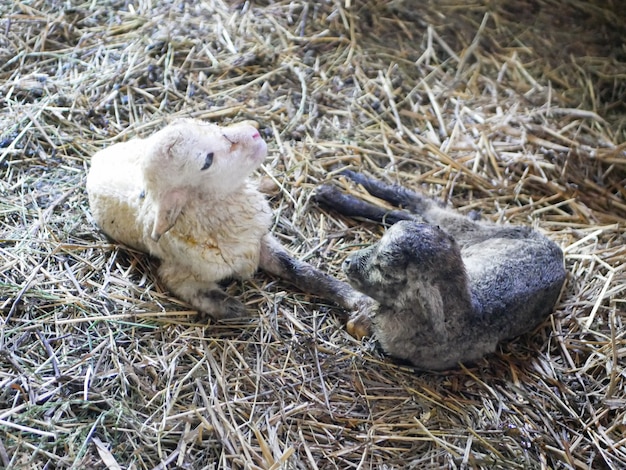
(448, 288)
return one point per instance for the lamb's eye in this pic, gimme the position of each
(208, 160)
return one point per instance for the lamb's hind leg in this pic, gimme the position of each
(276, 260)
(428, 209)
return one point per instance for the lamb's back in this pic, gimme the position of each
(115, 188)
(514, 282)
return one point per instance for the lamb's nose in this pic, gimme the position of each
(242, 132)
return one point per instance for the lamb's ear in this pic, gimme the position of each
(169, 207)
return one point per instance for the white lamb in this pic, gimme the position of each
(183, 195)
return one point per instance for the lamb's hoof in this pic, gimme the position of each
(219, 306)
(359, 325)
(327, 194)
(232, 309)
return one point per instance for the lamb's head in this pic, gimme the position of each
(195, 159)
(407, 256)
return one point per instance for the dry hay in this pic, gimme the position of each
(513, 108)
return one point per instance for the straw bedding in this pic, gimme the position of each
(514, 109)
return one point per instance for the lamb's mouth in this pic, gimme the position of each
(260, 151)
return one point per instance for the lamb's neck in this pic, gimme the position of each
(222, 194)
(458, 305)
(444, 305)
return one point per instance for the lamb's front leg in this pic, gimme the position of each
(331, 197)
(207, 298)
(422, 206)
(275, 259)
(395, 194)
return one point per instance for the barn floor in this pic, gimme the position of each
(513, 108)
